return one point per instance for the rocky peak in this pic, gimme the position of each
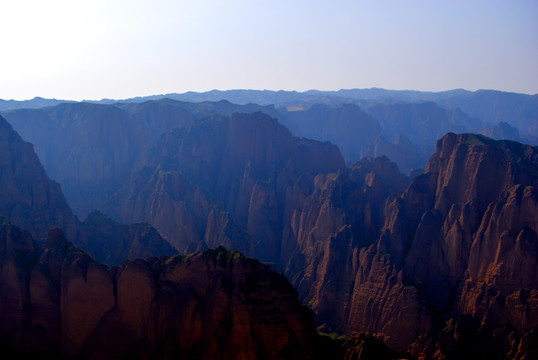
(474, 167)
(58, 302)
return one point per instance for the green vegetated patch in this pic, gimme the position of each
(221, 253)
(476, 139)
(334, 336)
(176, 259)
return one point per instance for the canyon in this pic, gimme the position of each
(441, 262)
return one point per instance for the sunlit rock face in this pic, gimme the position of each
(459, 240)
(473, 248)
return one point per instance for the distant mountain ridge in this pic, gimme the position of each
(35, 103)
(286, 98)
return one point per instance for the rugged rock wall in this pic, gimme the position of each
(58, 302)
(469, 225)
(448, 263)
(458, 245)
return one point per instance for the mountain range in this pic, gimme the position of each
(437, 262)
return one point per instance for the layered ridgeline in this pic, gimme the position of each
(90, 149)
(100, 143)
(57, 302)
(502, 115)
(444, 265)
(33, 202)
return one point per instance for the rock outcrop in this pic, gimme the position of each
(57, 302)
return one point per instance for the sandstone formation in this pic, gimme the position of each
(361, 257)
(458, 245)
(473, 221)
(57, 302)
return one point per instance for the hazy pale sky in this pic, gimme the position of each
(94, 49)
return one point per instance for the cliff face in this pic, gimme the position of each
(58, 302)
(29, 198)
(469, 227)
(226, 179)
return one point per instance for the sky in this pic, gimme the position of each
(95, 49)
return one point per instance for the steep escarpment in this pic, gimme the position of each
(29, 198)
(228, 178)
(58, 302)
